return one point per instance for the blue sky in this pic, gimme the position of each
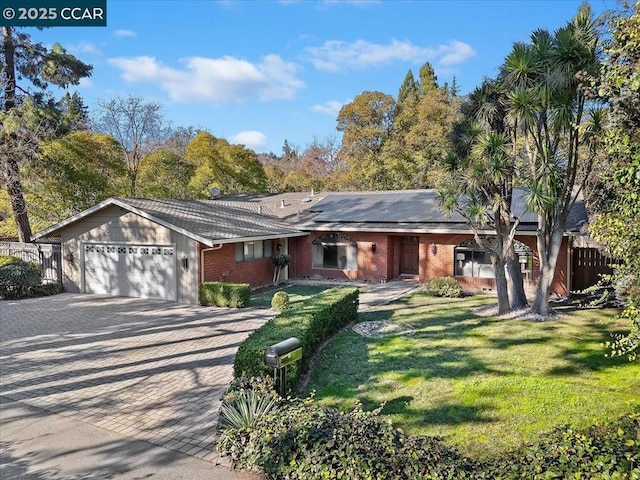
(259, 72)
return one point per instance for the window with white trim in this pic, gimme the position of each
(255, 250)
(471, 260)
(334, 251)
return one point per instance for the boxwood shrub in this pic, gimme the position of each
(280, 301)
(311, 322)
(222, 294)
(443, 287)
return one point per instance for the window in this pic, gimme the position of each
(253, 250)
(472, 261)
(335, 251)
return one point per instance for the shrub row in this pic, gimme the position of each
(311, 323)
(298, 439)
(221, 294)
(443, 287)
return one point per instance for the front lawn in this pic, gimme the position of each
(297, 294)
(485, 385)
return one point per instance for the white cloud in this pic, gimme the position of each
(225, 79)
(85, 83)
(251, 139)
(330, 107)
(336, 55)
(84, 48)
(455, 53)
(124, 33)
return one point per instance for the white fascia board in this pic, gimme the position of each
(257, 239)
(346, 228)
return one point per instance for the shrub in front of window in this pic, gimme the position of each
(220, 294)
(19, 279)
(280, 301)
(443, 287)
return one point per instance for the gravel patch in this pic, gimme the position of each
(521, 314)
(382, 328)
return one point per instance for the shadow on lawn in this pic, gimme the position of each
(452, 344)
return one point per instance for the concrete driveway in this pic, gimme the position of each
(147, 369)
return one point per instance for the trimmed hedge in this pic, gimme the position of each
(221, 294)
(19, 279)
(311, 322)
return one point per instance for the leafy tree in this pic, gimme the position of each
(165, 174)
(24, 119)
(232, 168)
(366, 123)
(547, 83)
(75, 172)
(74, 113)
(420, 137)
(616, 224)
(137, 125)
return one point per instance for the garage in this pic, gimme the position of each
(130, 270)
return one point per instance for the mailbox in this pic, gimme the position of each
(284, 353)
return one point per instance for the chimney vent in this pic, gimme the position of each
(281, 203)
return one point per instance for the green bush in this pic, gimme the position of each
(280, 301)
(19, 279)
(312, 323)
(221, 294)
(302, 440)
(443, 287)
(48, 289)
(609, 451)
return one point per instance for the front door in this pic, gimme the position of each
(410, 255)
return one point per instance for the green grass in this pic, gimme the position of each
(484, 385)
(297, 294)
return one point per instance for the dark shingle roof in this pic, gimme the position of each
(212, 219)
(207, 221)
(395, 210)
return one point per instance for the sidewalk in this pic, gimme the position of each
(36, 444)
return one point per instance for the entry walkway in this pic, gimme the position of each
(383, 293)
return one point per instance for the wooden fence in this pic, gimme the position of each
(47, 255)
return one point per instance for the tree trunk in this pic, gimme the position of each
(10, 167)
(516, 291)
(501, 286)
(11, 176)
(548, 251)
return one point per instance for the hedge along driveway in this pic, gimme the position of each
(484, 384)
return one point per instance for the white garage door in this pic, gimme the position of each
(147, 271)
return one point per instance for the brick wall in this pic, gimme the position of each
(387, 260)
(220, 265)
(371, 266)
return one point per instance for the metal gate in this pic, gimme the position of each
(47, 255)
(588, 265)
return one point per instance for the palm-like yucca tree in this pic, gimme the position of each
(483, 187)
(547, 99)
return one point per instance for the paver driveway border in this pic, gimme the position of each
(148, 369)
